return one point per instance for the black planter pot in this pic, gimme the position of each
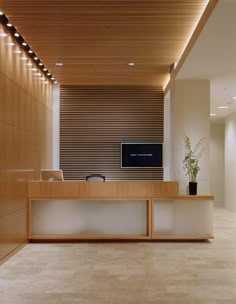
(192, 187)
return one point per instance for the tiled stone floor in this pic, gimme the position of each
(132, 273)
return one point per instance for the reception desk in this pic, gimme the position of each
(127, 210)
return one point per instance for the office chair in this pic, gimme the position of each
(95, 178)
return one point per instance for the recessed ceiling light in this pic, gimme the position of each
(48, 74)
(131, 63)
(223, 107)
(1, 13)
(52, 78)
(29, 63)
(212, 114)
(23, 43)
(234, 97)
(55, 81)
(59, 63)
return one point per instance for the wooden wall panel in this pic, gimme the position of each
(94, 120)
(25, 135)
(14, 232)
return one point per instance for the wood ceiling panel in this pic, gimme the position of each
(96, 39)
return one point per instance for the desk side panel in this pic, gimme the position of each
(189, 218)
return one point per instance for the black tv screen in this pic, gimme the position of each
(141, 155)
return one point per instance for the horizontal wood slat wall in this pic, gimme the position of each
(94, 120)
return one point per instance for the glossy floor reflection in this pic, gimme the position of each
(132, 273)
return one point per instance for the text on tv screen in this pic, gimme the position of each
(141, 155)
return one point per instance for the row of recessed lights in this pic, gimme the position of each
(25, 58)
(25, 45)
(222, 107)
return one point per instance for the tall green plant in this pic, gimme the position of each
(191, 158)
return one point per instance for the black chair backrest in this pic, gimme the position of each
(95, 178)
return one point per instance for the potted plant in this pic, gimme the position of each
(191, 159)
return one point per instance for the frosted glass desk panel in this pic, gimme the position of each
(183, 217)
(89, 217)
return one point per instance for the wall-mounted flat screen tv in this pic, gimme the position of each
(141, 155)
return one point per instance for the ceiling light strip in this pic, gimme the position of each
(223, 107)
(23, 44)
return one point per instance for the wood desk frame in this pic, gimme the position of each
(117, 190)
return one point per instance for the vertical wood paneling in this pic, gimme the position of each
(25, 135)
(94, 120)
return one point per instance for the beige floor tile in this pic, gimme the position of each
(132, 273)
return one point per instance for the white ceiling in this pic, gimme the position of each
(213, 57)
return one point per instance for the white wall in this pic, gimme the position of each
(167, 147)
(230, 162)
(217, 168)
(56, 126)
(190, 103)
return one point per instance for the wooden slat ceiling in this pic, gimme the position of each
(95, 39)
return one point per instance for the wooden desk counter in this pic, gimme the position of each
(116, 210)
(111, 189)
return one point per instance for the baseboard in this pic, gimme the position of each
(13, 252)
